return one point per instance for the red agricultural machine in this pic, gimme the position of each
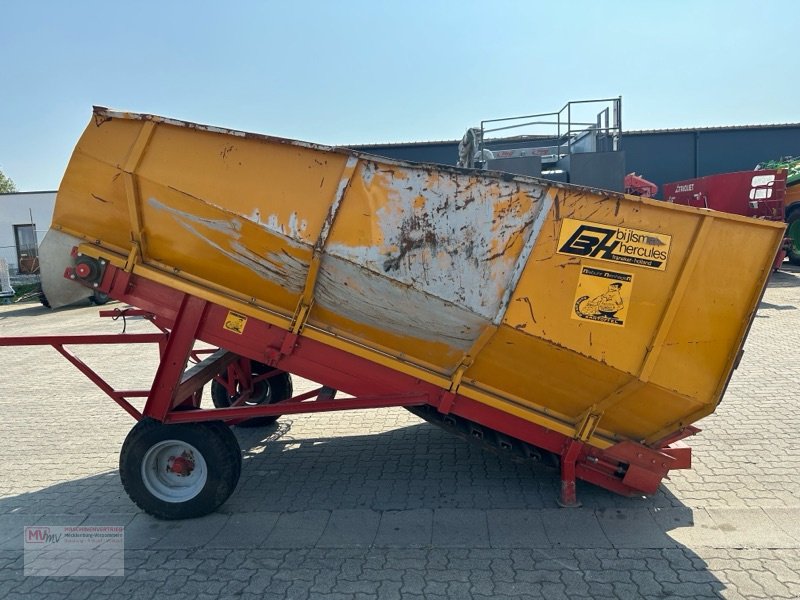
(761, 194)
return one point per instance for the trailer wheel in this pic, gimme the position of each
(180, 471)
(793, 233)
(269, 391)
(99, 298)
(43, 299)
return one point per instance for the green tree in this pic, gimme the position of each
(6, 185)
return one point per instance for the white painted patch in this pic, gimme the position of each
(294, 228)
(280, 268)
(273, 223)
(445, 236)
(367, 297)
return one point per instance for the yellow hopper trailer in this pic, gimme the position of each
(539, 318)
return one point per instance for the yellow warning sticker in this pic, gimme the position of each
(602, 296)
(235, 322)
(614, 244)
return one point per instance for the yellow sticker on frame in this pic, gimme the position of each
(602, 296)
(235, 322)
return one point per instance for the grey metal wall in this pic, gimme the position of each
(442, 153)
(660, 156)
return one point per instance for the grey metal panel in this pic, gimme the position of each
(665, 157)
(741, 150)
(528, 143)
(523, 165)
(660, 158)
(605, 170)
(442, 154)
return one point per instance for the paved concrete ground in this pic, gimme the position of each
(379, 504)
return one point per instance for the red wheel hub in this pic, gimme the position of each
(181, 465)
(82, 270)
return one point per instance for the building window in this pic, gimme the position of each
(27, 248)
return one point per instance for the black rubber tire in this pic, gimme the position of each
(794, 248)
(219, 448)
(43, 300)
(99, 298)
(275, 389)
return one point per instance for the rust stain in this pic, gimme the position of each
(513, 238)
(412, 237)
(99, 116)
(527, 301)
(591, 214)
(569, 263)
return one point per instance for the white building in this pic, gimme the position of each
(24, 219)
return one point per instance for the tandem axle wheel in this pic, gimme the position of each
(180, 471)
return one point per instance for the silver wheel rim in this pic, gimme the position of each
(174, 471)
(263, 388)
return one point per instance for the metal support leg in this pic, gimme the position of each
(174, 359)
(569, 456)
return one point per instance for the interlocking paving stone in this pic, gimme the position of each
(11, 529)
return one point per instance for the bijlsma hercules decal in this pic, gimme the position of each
(614, 244)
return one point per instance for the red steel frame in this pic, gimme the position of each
(626, 468)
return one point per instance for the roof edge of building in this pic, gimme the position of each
(30, 192)
(624, 133)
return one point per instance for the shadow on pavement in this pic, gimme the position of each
(417, 466)
(29, 309)
(34, 309)
(787, 277)
(417, 471)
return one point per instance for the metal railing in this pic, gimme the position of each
(567, 132)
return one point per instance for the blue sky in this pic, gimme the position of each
(362, 72)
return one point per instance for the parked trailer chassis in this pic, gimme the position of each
(181, 460)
